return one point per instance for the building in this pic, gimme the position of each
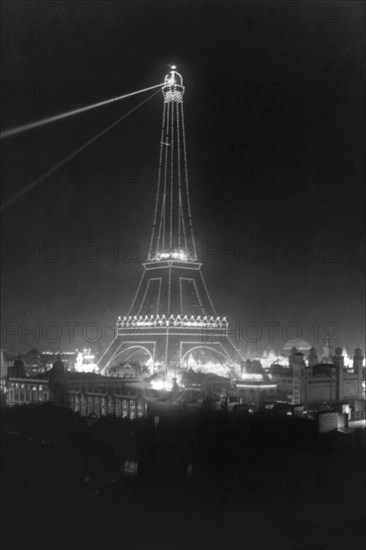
(90, 395)
(96, 395)
(255, 392)
(20, 389)
(255, 386)
(207, 382)
(314, 382)
(36, 362)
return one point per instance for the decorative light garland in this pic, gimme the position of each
(186, 179)
(146, 291)
(163, 210)
(172, 321)
(207, 293)
(159, 182)
(179, 181)
(172, 255)
(136, 294)
(173, 139)
(171, 177)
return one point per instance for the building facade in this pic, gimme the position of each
(317, 382)
(89, 395)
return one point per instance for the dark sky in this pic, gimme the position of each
(275, 137)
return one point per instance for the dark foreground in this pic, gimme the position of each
(202, 481)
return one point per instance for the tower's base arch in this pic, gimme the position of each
(169, 347)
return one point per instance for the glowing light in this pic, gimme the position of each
(157, 385)
(165, 383)
(150, 363)
(85, 361)
(172, 321)
(212, 367)
(348, 360)
(260, 386)
(171, 80)
(175, 255)
(251, 376)
(270, 357)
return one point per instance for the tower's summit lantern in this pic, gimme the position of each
(173, 88)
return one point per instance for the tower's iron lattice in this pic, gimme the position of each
(172, 314)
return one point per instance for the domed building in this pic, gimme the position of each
(21, 390)
(299, 344)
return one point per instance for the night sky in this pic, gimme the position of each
(275, 139)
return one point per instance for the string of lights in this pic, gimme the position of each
(187, 186)
(169, 289)
(129, 337)
(109, 347)
(136, 293)
(180, 209)
(172, 236)
(172, 321)
(206, 289)
(162, 224)
(159, 183)
(171, 176)
(180, 194)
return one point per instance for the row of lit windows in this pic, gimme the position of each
(23, 386)
(101, 391)
(321, 382)
(318, 381)
(100, 406)
(26, 396)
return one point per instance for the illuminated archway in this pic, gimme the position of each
(217, 353)
(127, 355)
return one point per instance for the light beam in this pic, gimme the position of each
(44, 176)
(48, 120)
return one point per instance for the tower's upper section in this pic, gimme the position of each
(173, 88)
(172, 234)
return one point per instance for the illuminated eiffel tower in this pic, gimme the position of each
(172, 319)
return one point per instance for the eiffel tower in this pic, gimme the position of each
(172, 318)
